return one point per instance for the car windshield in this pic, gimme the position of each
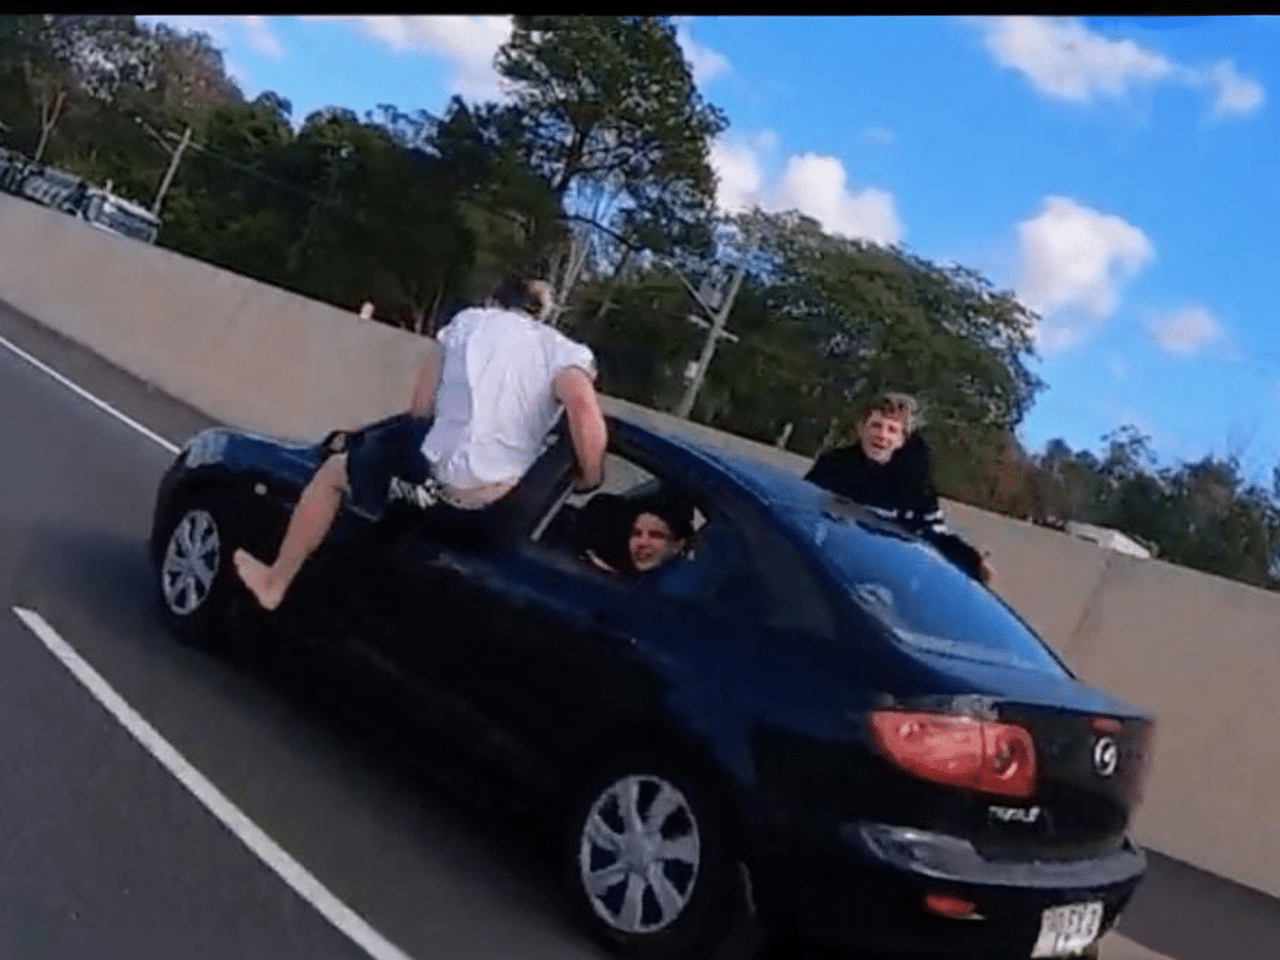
(926, 601)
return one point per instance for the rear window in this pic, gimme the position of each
(925, 600)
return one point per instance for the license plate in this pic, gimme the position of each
(1068, 931)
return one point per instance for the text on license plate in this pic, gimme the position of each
(1068, 931)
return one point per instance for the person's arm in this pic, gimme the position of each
(423, 402)
(820, 472)
(587, 429)
(923, 513)
(836, 470)
(932, 525)
(960, 552)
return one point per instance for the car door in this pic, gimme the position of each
(407, 608)
(366, 612)
(572, 653)
(569, 651)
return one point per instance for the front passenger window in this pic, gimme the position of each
(711, 570)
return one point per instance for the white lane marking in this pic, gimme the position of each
(84, 394)
(249, 833)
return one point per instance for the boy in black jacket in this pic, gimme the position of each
(888, 470)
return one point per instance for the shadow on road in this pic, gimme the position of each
(1189, 914)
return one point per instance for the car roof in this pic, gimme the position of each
(776, 489)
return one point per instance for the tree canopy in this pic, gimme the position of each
(593, 168)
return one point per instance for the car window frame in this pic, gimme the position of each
(765, 541)
(977, 652)
(638, 588)
(676, 475)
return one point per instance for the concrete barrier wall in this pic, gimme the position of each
(1204, 654)
(241, 351)
(1201, 653)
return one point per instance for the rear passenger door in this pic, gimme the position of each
(567, 652)
(778, 585)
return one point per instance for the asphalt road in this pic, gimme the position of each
(104, 854)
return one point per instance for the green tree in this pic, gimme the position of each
(233, 202)
(36, 56)
(614, 123)
(1202, 514)
(187, 80)
(1069, 485)
(639, 333)
(55, 61)
(877, 318)
(513, 216)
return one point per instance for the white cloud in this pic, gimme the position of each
(1067, 60)
(817, 185)
(707, 64)
(468, 44)
(814, 184)
(261, 39)
(1074, 264)
(1064, 59)
(1234, 94)
(737, 165)
(255, 29)
(1186, 331)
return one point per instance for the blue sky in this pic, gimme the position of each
(1119, 173)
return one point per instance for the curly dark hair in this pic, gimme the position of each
(521, 293)
(675, 511)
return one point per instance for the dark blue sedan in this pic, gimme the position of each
(807, 712)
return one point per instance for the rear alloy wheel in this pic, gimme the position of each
(648, 862)
(194, 570)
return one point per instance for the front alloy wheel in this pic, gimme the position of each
(639, 854)
(191, 562)
(648, 858)
(194, 573)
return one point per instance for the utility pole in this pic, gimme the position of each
(173, 169)
(718, 321)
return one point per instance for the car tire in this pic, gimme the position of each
(702, 889)
(195, 572)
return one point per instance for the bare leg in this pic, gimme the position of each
(310, 523)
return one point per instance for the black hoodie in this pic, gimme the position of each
(902, 488)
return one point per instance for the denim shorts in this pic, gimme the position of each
(388, 474)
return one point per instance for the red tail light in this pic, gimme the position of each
(954, 908)
(1106, 726)
(996, 758)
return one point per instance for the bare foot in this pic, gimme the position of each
(257, 577)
